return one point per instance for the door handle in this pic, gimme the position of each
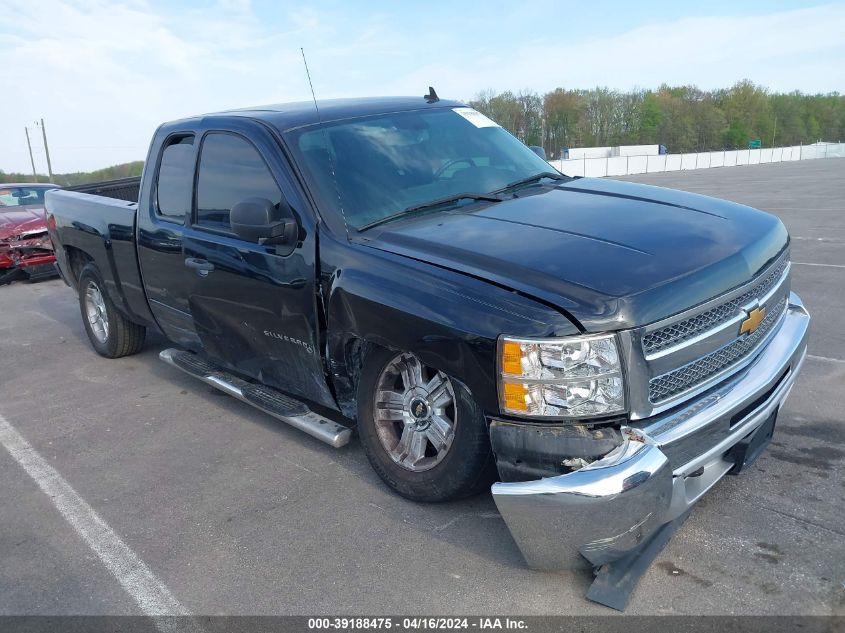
(202, 266)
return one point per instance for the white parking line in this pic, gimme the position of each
(152, 596)
(824, 265)
(817, 239)
(826, 359)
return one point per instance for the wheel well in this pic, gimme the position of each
(77, 259)
(356, 352)
(346, 373)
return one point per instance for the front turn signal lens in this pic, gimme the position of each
(511, 358)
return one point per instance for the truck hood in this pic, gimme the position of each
(611, 254)
(15, 221)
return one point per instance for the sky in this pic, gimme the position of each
(104, 74)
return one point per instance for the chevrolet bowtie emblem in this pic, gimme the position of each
(752, 321)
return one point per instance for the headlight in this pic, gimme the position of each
(573, 377)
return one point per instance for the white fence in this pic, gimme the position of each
(629, 165)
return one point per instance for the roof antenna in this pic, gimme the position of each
(326, 143)
(431, 97)
(308, 73)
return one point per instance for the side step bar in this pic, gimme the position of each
(261, 397)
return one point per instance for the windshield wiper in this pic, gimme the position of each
(489, 197)
(530, 179)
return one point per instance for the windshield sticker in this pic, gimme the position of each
(475, 117)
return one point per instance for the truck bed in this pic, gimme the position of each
(120, 189)
(101, 227)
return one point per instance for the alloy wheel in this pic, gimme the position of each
(415, 413)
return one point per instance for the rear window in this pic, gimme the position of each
(175, 179)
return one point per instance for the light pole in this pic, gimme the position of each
(46, 149)
(31, 159)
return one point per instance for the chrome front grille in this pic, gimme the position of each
(699, 371)
(682, 331)
(683, 355)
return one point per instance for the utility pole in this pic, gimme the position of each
(773, 131)
(46, 149)
(31, 159)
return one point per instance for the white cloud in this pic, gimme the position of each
(784, 51)
(105, 74)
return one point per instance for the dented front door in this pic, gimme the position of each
(254, 307)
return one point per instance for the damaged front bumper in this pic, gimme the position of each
(663, 465)
(26, 256)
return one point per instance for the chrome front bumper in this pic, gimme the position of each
(665, 464)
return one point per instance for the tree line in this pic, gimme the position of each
(683, 118)
(124, 170)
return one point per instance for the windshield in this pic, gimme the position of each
(20, 196)
(389, 163)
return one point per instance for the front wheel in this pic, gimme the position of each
(111, 334)
(422, 432)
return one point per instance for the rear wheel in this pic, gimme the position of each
(422, 432)
(111, 334)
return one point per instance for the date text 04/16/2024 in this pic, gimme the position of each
(417, 623)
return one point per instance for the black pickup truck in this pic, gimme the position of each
(601, 352)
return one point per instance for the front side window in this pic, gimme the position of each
(175, 179)
(230, 170)
(370, 168)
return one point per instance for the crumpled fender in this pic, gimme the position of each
(449, 320)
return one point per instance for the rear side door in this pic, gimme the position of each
(254, 307)
(164, 210)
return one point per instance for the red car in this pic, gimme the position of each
(25, 248)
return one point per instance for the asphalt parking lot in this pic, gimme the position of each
(237, 513)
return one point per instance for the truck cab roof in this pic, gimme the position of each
(288, 116)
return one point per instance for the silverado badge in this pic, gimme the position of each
(752, 321)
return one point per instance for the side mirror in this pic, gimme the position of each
(259, 220)
(538, 150)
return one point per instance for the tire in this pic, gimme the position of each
(111, 334)
(464, 468)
